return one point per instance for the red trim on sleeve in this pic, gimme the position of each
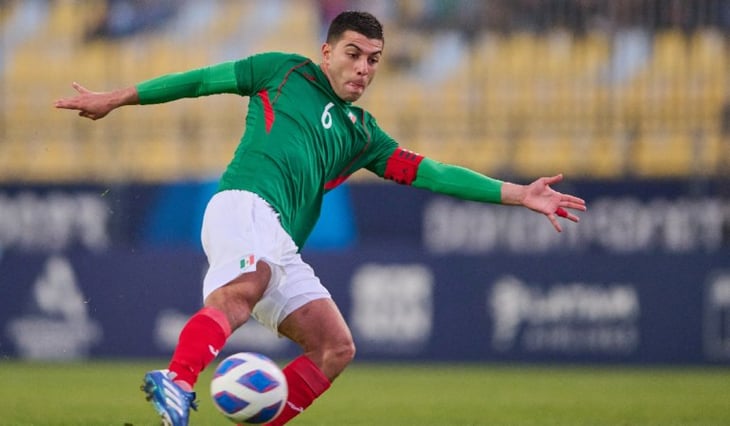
(268, 109)
(334, 183)
(268, 103)
(402, 166)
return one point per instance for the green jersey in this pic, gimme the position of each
(301, 139)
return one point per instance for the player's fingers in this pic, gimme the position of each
(79, 88)
(565, 214)
(574, 205)
(555, 222)
(573, 218)
(88, 115)
(553, 179)
(65, 104)
(572, 199)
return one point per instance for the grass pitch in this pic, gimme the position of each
(107, 393)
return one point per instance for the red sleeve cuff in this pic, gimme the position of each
(402, 166)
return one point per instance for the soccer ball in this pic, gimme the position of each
(249, 387)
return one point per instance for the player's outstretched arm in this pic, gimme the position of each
(413, 169)
(215, 79)
(540, 197)
(96, 105)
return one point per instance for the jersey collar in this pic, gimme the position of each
(324, 82)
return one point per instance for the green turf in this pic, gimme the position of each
(106, 393)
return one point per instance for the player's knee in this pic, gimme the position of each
(333, 358)
(337, 357)
(346, 352)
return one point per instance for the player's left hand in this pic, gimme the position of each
(540, 197)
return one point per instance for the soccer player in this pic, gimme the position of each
(303, 137)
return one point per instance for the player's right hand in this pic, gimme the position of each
(94, 105)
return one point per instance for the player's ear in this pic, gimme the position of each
(326, 51)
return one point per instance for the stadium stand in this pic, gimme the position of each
(520, 102)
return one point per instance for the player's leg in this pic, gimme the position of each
(200, 341)
(234, 283)
(236, 228)
(319, 328)
(225, 310)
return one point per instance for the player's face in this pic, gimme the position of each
(350, 64)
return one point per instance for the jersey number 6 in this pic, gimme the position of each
(326, 116)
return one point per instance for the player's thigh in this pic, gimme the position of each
(238, 297)
(317, 326)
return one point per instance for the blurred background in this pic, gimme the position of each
(630, 99)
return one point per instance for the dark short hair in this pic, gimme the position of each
(361, 22)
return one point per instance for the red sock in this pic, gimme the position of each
(200, 340)
(306, 382)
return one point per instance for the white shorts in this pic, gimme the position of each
(239, 229)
